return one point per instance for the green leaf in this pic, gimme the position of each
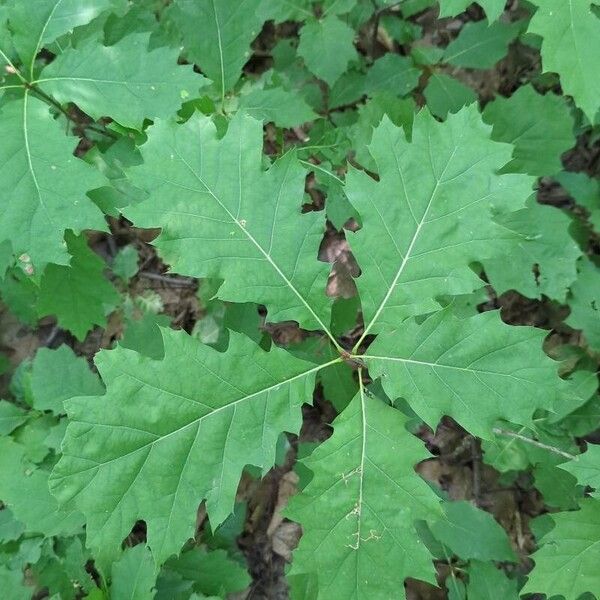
(486, 582)
(20, 294)
(327, 47)
(79, 295)
(224, 217)
(584, 302)
(24, 489)
(479, 45)
(392, 73)
(571, 47)
(120, 474)
(445, 94)
(567, 562)
(472, 533)
(11, 416)
(143, 334)
(540, 127)
(359, 510)
(62, 570)
(10, 528)
(212, 573)
(586, 468)
(543, 256)
(451, 8)
(12, 582)
(133, 576)
(401, 112)
(430, 214)
(111, 163)
(44, 184)
(217, 36)
(558, 488)
(349, 88)
(475, 370)
(136, 18)
(282, 107)
(34, 29)
(126, 82)
(76, 379)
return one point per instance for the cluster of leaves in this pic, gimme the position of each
(149, 111)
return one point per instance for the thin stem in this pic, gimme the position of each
(452, 575)
(527, 440)
(169, 280)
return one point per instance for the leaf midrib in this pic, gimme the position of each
(253, 240)
(407, 255)
(205, 416)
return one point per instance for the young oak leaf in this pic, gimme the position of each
(327, 46)
(217, 36)
(430, 213)
(224, 217)
(44, 185)
(76, 379)
(168, 434)
(571, 48)
(126, 82)
(539, 126)
(79, 295)
(476, 370)
(358, 512)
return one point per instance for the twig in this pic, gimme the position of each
(169, 279)
(535, 443)
(476, 466)
(52, 335)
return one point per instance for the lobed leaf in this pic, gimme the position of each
(567, 562)
(429, 214)
(359, 510)
(45, 186)
(127, 81)
(475, 370)
(570, 47)
(217, 35)
(224, 217)
(168, 434)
